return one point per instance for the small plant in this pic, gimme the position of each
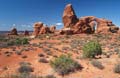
(10, 43)
(7, 53)
(119, 55)
(41, 55)
(117, 68)
(18, 52)
(18, 41)
(91, 49)
(50, 76)
(97, 64)
(64, 65)
(21, 75)
(24, 56)
(43, 60)
(25, 68)
(25, 41)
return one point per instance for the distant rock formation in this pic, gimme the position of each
(26, 33)
(44, 30)
(37, 28)
(40, 28)
(52, 29)
(13, 32)
(86, 24)
(74, 25)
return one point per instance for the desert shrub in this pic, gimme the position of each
(97, 64)
(25, 41)
(23, 75)
(7, 53)
(18, 41)
(24, 56)
(41, 55)
(3, 38)
(116, 69)
(43, 60)
(50, 76)
(10, 43)
(91, 49)
(64, 65)
(119, 55)
(25, 68)
(24, 63)
(18, 52)
(22, 41)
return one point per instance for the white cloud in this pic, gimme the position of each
(14, 25)
(59, 24)
(26, 26)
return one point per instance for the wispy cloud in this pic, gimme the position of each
(59, 24)
(26, 26)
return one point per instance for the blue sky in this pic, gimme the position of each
(23, 13)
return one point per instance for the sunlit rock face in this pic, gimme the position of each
(87, 24)
(69, 17)
(37, 28)
(40, 28)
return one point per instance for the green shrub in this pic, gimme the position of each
(91, 49)
(18, 41)
(64, 65)
(25, 41)
(97, 64)
(117, 68)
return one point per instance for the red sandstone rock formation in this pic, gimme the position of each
(26, 33)
(86, 24)
(37, 28)
(13, 32)
(44, 30)
(52, 29)
(73, 25)
(69, 17)
(66, 31)
(105, 26)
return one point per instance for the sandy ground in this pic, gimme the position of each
(12, 62)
